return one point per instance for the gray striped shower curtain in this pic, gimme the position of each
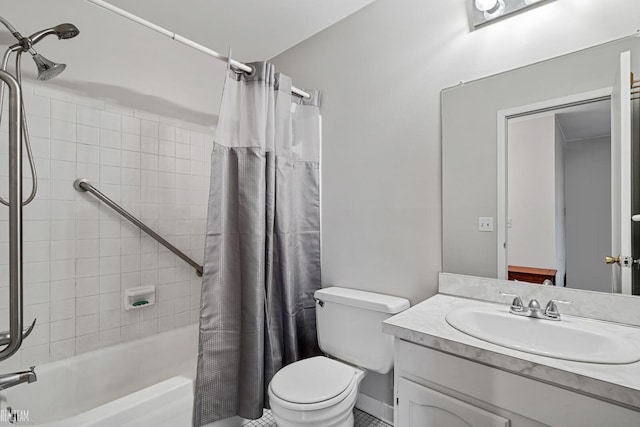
(262, 250)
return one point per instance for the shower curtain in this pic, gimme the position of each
(262, 250)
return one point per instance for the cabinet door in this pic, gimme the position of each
(419, 406)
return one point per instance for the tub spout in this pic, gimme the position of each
(13, 379)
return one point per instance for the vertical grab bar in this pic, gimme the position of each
(15, 216)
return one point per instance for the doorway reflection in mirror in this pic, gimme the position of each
(559, 196)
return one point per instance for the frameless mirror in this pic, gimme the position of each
(559, 196)
(530, 150)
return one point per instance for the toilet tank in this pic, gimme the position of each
(349, 324)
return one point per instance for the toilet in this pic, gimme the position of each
(322, 391)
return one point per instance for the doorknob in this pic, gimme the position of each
(612, 260)
(624, 261)
(635, 218)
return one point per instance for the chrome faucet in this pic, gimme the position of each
(551, 310)
(15, 378)
(533, 309)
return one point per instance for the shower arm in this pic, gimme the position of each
(15, 216)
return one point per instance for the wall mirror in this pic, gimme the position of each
(534, 151)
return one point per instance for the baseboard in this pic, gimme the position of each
(375, 407)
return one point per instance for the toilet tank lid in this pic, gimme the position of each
(363, 299)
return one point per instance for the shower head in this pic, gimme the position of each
(47, 69)
(63, 31)
(66, 31)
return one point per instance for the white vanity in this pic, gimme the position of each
(447, 378)
(504, 141)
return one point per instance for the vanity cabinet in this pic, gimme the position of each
(421, 406)
(433, 388)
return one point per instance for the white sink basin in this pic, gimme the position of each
(570, 339)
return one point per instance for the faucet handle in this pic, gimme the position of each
(516, 304)
(551, 310)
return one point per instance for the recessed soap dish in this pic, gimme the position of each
(139, 297)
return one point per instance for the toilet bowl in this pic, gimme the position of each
(315, 392)
(321, 391)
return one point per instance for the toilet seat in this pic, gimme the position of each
(313, 384)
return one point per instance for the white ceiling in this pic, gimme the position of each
(116, 59)
(255, 29)
(586, 121)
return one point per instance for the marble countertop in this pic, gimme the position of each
(425, 324)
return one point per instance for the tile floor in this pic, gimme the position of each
(362, 419)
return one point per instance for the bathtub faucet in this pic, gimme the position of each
(10, 380)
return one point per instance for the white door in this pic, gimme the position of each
(621, 175)
(420, 406)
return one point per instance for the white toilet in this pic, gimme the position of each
(320, 391)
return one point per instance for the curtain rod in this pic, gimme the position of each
(183, 40)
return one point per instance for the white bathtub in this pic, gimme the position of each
(142, 383)
(78, 384)
(166, 404)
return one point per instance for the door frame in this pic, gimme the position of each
(502, 127)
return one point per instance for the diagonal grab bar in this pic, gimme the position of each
(82, 184)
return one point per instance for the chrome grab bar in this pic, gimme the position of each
(5, 337)
(15, 216)
(82, 184)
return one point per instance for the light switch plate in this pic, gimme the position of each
(485, 223)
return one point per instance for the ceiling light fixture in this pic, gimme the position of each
(486, 5)
(487, 11)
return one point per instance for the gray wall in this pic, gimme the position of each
(588, 199)
(381, 72)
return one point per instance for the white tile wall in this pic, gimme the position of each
(79, 255)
